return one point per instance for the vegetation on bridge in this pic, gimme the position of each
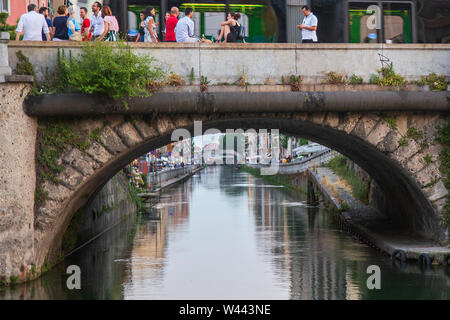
(54, 138)
(444, 139)
(114, 71)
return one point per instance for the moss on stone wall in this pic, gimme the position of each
(443, 137)
(69, 240)
(55, 137)
(360, 188)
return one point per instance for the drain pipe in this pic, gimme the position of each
(75, 104)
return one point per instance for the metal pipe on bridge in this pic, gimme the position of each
(75, 104)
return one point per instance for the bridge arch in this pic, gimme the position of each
(368, 139)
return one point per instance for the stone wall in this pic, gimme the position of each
(17, 183)
(263, 63)
(107, 208)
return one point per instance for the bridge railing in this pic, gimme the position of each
(259, 63)
(156, 179)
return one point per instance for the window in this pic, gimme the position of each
(4, 6)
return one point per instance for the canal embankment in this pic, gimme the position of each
(114, 203)
(357, 202)
(357, 214)
(161, 180)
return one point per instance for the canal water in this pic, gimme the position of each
(225, 234)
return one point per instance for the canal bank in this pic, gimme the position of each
(359, 206)
(371, 226)
(113, 203)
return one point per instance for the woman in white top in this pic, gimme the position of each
(150, 26)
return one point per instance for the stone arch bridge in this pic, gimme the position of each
(390, 134)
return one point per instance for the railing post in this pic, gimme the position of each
(5, 69)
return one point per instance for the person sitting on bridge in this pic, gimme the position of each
(184, 30)
(230, 28)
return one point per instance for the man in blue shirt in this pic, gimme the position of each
(44, 12)
(184, 30)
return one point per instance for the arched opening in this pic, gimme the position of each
(409, 209)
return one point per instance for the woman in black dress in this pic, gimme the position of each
(230, 28)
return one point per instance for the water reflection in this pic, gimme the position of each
(224, 234)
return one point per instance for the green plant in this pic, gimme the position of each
(24, 65)
(144, 178)
(391, 121)
(242, 81)
(70, 236)
(413, 133)
(6, 27)
(374, 79)
(295, 82)
(55, 137)
(388, 77)
(204, 82)
(133, 193)
(403, 142)
(175, 80)
(427, 159)
(40, 195)
(436, 83)
(33, 270)
(45, 267)
(111, 70)
(13, 279)
(354, 79)
(192, 77)
(94, 134)
(344, 206)
(443, 137)
(335, 78)
(360, 188)
(303, 141)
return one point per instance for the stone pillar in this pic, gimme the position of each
(294, 17)
(17, 184)
(5, 69)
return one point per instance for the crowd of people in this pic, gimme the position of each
(103, 26)
(182, 30)
(37, 26)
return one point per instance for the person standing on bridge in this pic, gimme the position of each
(44, 12)
(150, 26)
(171, 23)
(97, 24)
(308, 26)
(111, 26)
(86, 25)
(32, 24)
(60, 23)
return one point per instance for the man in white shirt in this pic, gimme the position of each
(97, 24)
(184, 30)
(308, 26)
(32, 24)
